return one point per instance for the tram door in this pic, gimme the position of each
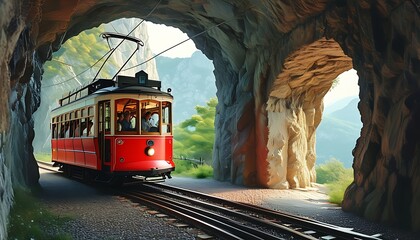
(104, 127)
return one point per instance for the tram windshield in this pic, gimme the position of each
(142, 117)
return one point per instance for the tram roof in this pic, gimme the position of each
(139, 90)
(132, 90)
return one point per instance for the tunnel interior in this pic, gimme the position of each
(249, 44)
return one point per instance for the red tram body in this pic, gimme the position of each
(115, 129)
(87, 133)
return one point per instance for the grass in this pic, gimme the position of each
(189, 169)
(45, 157)
(29, 219)
(336, 178)
(337, 188)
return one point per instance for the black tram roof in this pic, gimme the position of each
(132, 90)
(140, 84)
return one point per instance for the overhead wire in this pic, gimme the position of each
(111, 51)
(198, 34)
(75, 76)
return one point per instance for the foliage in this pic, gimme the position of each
(30, 220)
(194, 137)
(187, 168)
(337, 188)
(202, 171)
(336, 177)
(76, 55)
(329, 172)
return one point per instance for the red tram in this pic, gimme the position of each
(115, 131)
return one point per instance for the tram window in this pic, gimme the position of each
(66, 129)
(71, 129)
(150, 120)
(90, 128)
(77, 128)
(83, 126)
(107, 116)
(54, 130)
(126, 115)
(59, 130)
(166, 117)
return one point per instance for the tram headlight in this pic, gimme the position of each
(150, 151)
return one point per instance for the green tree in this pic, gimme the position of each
(80, 52)
(335, 177)
(194, 137)
(329, 172)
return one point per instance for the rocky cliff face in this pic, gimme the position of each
(64, 75)
(270, 86)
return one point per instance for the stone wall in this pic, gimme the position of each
(385, 48)
(249, 43)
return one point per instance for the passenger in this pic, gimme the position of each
(145, 124)
(125, 123)
(67, 134)
(133, 120)
(120, 120)
(154, 122)
(77, 129)
(89, 128)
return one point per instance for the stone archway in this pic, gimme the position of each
(248, 48)
(294, 111)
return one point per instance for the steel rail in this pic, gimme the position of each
(199, 219)
(297, 221)
(243, 216)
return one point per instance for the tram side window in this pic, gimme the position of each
(150, 120)
(166, 117)
(77, 128)
(90, 127)
(67, 129)
(61, 130)
(107, 116)
(126, 115)
(54, 130)
(83, 127)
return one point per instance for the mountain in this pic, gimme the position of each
(71, 68)
(192, 82)
(337, 133)
(337, 105)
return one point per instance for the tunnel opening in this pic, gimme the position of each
(179, 66)
(295, 109)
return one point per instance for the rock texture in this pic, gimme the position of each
(263, 103)
(294, 111)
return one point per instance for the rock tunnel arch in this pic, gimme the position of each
(294, 111)
(381, 37)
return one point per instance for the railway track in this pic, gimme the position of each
(226, 219)
(231, 220)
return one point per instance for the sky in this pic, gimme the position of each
(347, 86)
(162, 37)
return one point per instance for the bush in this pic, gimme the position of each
(329, 172)
(187, 168)
(30, 220)
(335, 177)
(337, 188)
(202, 171)
(182, 167)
